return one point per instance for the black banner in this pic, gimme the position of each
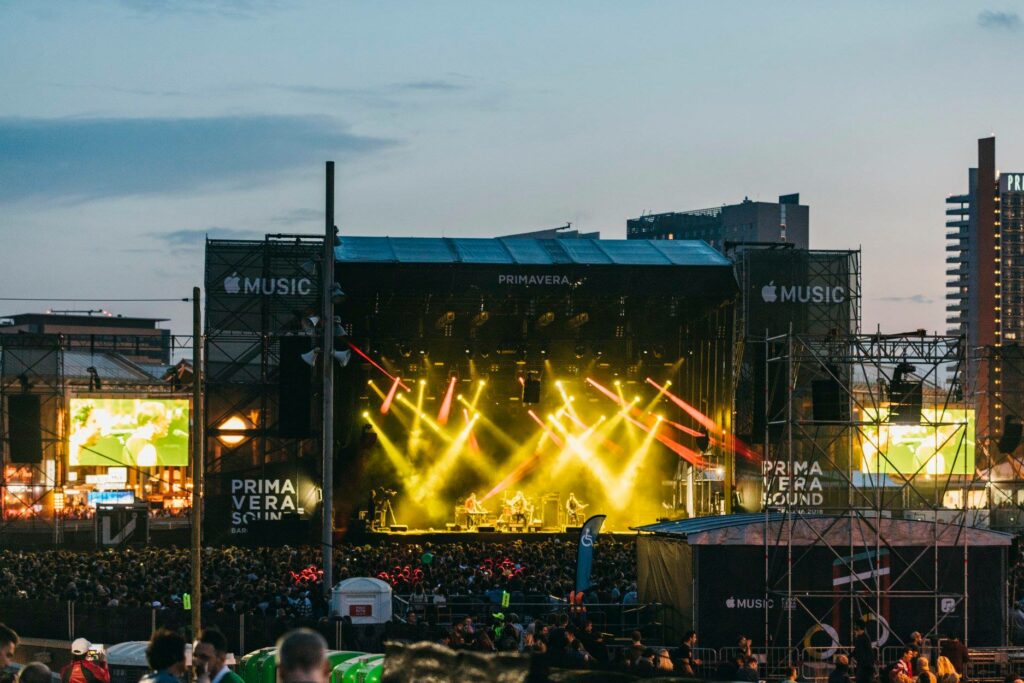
(269, 506)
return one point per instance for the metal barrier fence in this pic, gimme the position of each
(615, 619)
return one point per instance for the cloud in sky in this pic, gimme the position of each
(999, 20)
(913, 299)
(86, 159)
(298, 216)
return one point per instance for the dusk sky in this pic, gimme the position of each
(129, 130)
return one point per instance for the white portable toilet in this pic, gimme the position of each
(363, 599)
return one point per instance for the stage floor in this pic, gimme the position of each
(445, 536)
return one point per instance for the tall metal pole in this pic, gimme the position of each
(197, 464)
(327, 365)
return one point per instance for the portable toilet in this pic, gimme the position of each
(347, 670)
(267, 668)
(336, 657)
(375, 674)
(363, 599)
(127, 661)
(249, 666)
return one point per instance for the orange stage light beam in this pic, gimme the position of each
(386, 406)
(446, 404)
(377, 365)
(636, 411)
(700, 417)
(682, 451)
(730, 441)
(474, 445)
(521, 470)
(547, 430)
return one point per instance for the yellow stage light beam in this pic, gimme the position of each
(437, 472)
(377, 390)
(485, 421)
(401, 464)
(627, 478)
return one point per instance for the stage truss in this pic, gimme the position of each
(848, 461)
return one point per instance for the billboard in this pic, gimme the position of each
(943, 443)
(133, 432)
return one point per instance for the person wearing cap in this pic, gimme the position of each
(82, 668)
(210, 656)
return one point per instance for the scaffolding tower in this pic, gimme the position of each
(865, 438)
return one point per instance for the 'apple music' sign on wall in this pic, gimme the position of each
(814, 294)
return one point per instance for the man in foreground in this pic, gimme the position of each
(210, 656)
(302, 657)
(8, 641)
(166, 657)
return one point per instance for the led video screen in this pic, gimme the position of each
(134, 432)
(943, 443)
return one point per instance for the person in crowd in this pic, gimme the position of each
(924, 674)
(944, 671)
(841, 672)
(956, 652)
(664, 661)
(903, 670)
(685, 661)
(748, 672)
(863, 655)
(166, 657)
(745, 646)
(302, 657)
(85, 667)
(8, 641)
(36, 672)
(645, 662)
(792, 674)
(210, 656)
(728, 668)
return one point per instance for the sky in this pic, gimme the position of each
(132, 129)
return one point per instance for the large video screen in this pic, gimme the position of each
(943, 443)
(135, 432)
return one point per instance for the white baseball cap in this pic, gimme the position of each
(80, 646)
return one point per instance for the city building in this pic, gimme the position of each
(747, 222)
(139, 340)
(985, 297)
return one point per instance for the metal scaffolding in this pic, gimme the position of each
(865, 433)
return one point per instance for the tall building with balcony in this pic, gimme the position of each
(985, 297)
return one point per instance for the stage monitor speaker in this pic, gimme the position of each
(531, 390)
(25, 434)
(905, 403)
(398, 527)
(829, 403)
(295, 401)
(486, 528)
(1011, 436)
(549, 512)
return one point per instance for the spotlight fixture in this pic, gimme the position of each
(481, 318)
(545, 319)
(337, 294)
(580, 350)
(404, 350)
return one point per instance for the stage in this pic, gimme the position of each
(444, 536)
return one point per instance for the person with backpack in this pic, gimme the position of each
(85, 668)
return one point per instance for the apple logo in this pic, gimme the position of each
(730, 602)
(769, 292)
(231, 284)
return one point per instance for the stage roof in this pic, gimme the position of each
(810, 529)
(527, 251)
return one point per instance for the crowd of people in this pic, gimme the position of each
(286, 582)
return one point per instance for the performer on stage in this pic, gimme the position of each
(573, 510)
(474, 510)
(521, 510)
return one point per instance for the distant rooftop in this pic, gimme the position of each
(527, 251)
(100, 318)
